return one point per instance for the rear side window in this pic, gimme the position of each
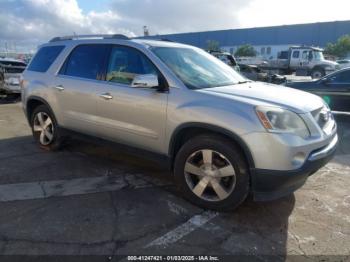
(44, 58)
(85, 61)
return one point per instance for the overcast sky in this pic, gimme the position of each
(26, 23)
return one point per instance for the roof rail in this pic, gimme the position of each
(77, 37)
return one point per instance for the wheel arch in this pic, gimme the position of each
(318, 67)
(188, 130)
(33, 102)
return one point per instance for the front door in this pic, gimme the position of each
(131, 115)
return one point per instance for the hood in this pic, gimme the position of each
(258, 93)
(330, 63)
(303, 84)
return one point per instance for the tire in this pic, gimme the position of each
(189, 169)
(45, 129)
(317, 73)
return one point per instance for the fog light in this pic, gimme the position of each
(298, 159)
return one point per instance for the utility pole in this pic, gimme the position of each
(145, 31)
(6, 51)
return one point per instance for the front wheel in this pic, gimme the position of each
(212, 173)
(317, 73)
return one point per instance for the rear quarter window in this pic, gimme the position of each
(44, 58)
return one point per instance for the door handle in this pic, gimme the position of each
(59, 87)
(106, 96)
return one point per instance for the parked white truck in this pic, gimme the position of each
(304, 60)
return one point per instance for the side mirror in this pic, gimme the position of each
(145, 81)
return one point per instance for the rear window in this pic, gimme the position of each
(44, 58)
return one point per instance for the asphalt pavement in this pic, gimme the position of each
(100, 200)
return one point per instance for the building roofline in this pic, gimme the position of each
(248, 28)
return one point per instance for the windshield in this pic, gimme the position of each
(318, 55)
(196, 68)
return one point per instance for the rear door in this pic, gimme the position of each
(305, 59)
(76, 87)
(295, 58)
(131, 115)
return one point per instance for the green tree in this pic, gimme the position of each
(245, 50)
(340, 49)
(213, 45)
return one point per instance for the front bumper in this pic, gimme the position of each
(273, 184)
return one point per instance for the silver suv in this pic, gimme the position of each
(225, 136)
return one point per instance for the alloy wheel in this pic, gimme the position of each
(43, 127)
(210, 175)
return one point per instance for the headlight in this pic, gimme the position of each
(279, 120)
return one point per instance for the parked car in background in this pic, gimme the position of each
(333, 88)
(223, 135)
(253, 72)
(344, 63)
(10, 72)
(227, 58)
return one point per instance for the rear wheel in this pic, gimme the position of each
(45, 129)
(212, 173)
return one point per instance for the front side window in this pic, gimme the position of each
(296, 54)
(125, 63)
(318, 55)
(196, 68)
(85, 61)
(44, 58)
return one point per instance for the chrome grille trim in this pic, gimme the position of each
(323, 117)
